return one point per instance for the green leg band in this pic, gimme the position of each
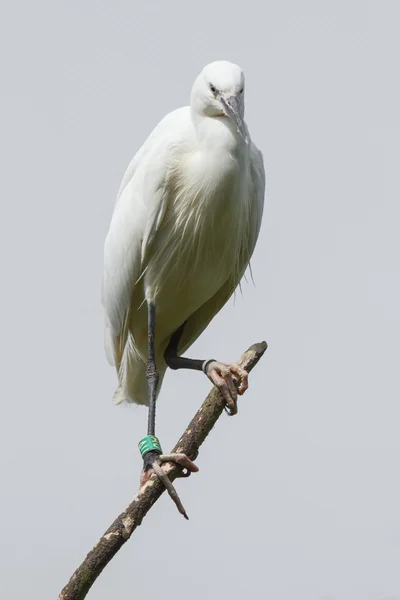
(149, 444)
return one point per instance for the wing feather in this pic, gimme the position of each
(138, 212)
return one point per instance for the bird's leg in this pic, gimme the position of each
(153, 458)
(152, 375)
(231, 379)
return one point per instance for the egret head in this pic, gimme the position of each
(219, 91)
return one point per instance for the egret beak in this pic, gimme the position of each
(232, 110)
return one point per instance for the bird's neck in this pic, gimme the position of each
(218, 134)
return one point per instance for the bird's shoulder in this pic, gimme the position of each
(173, 128)
(171, 134)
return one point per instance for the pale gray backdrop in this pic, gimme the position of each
(311, 511)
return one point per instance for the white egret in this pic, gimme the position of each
(184, 227)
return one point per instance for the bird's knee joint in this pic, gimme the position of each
(169, 359)
(152, 375)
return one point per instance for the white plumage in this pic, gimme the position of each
(184, 227)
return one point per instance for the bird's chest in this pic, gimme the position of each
(208, 211)
(200, 240)
(212, 195)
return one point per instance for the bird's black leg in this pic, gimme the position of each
(152, 377)
(180, 362)
(153, 460)
(230, 379)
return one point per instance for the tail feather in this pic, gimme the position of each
(119, 396)
(132, 375)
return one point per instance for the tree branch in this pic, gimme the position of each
(124, 525)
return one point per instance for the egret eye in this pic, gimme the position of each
(213, 89)
(241, 91)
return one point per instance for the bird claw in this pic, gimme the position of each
(178, 458)
(231, 380)
(188, 466)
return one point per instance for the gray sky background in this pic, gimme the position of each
(312, 511)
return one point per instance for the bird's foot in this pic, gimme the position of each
(152, 463)
(231, 380)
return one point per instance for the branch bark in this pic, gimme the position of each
(124, 525)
